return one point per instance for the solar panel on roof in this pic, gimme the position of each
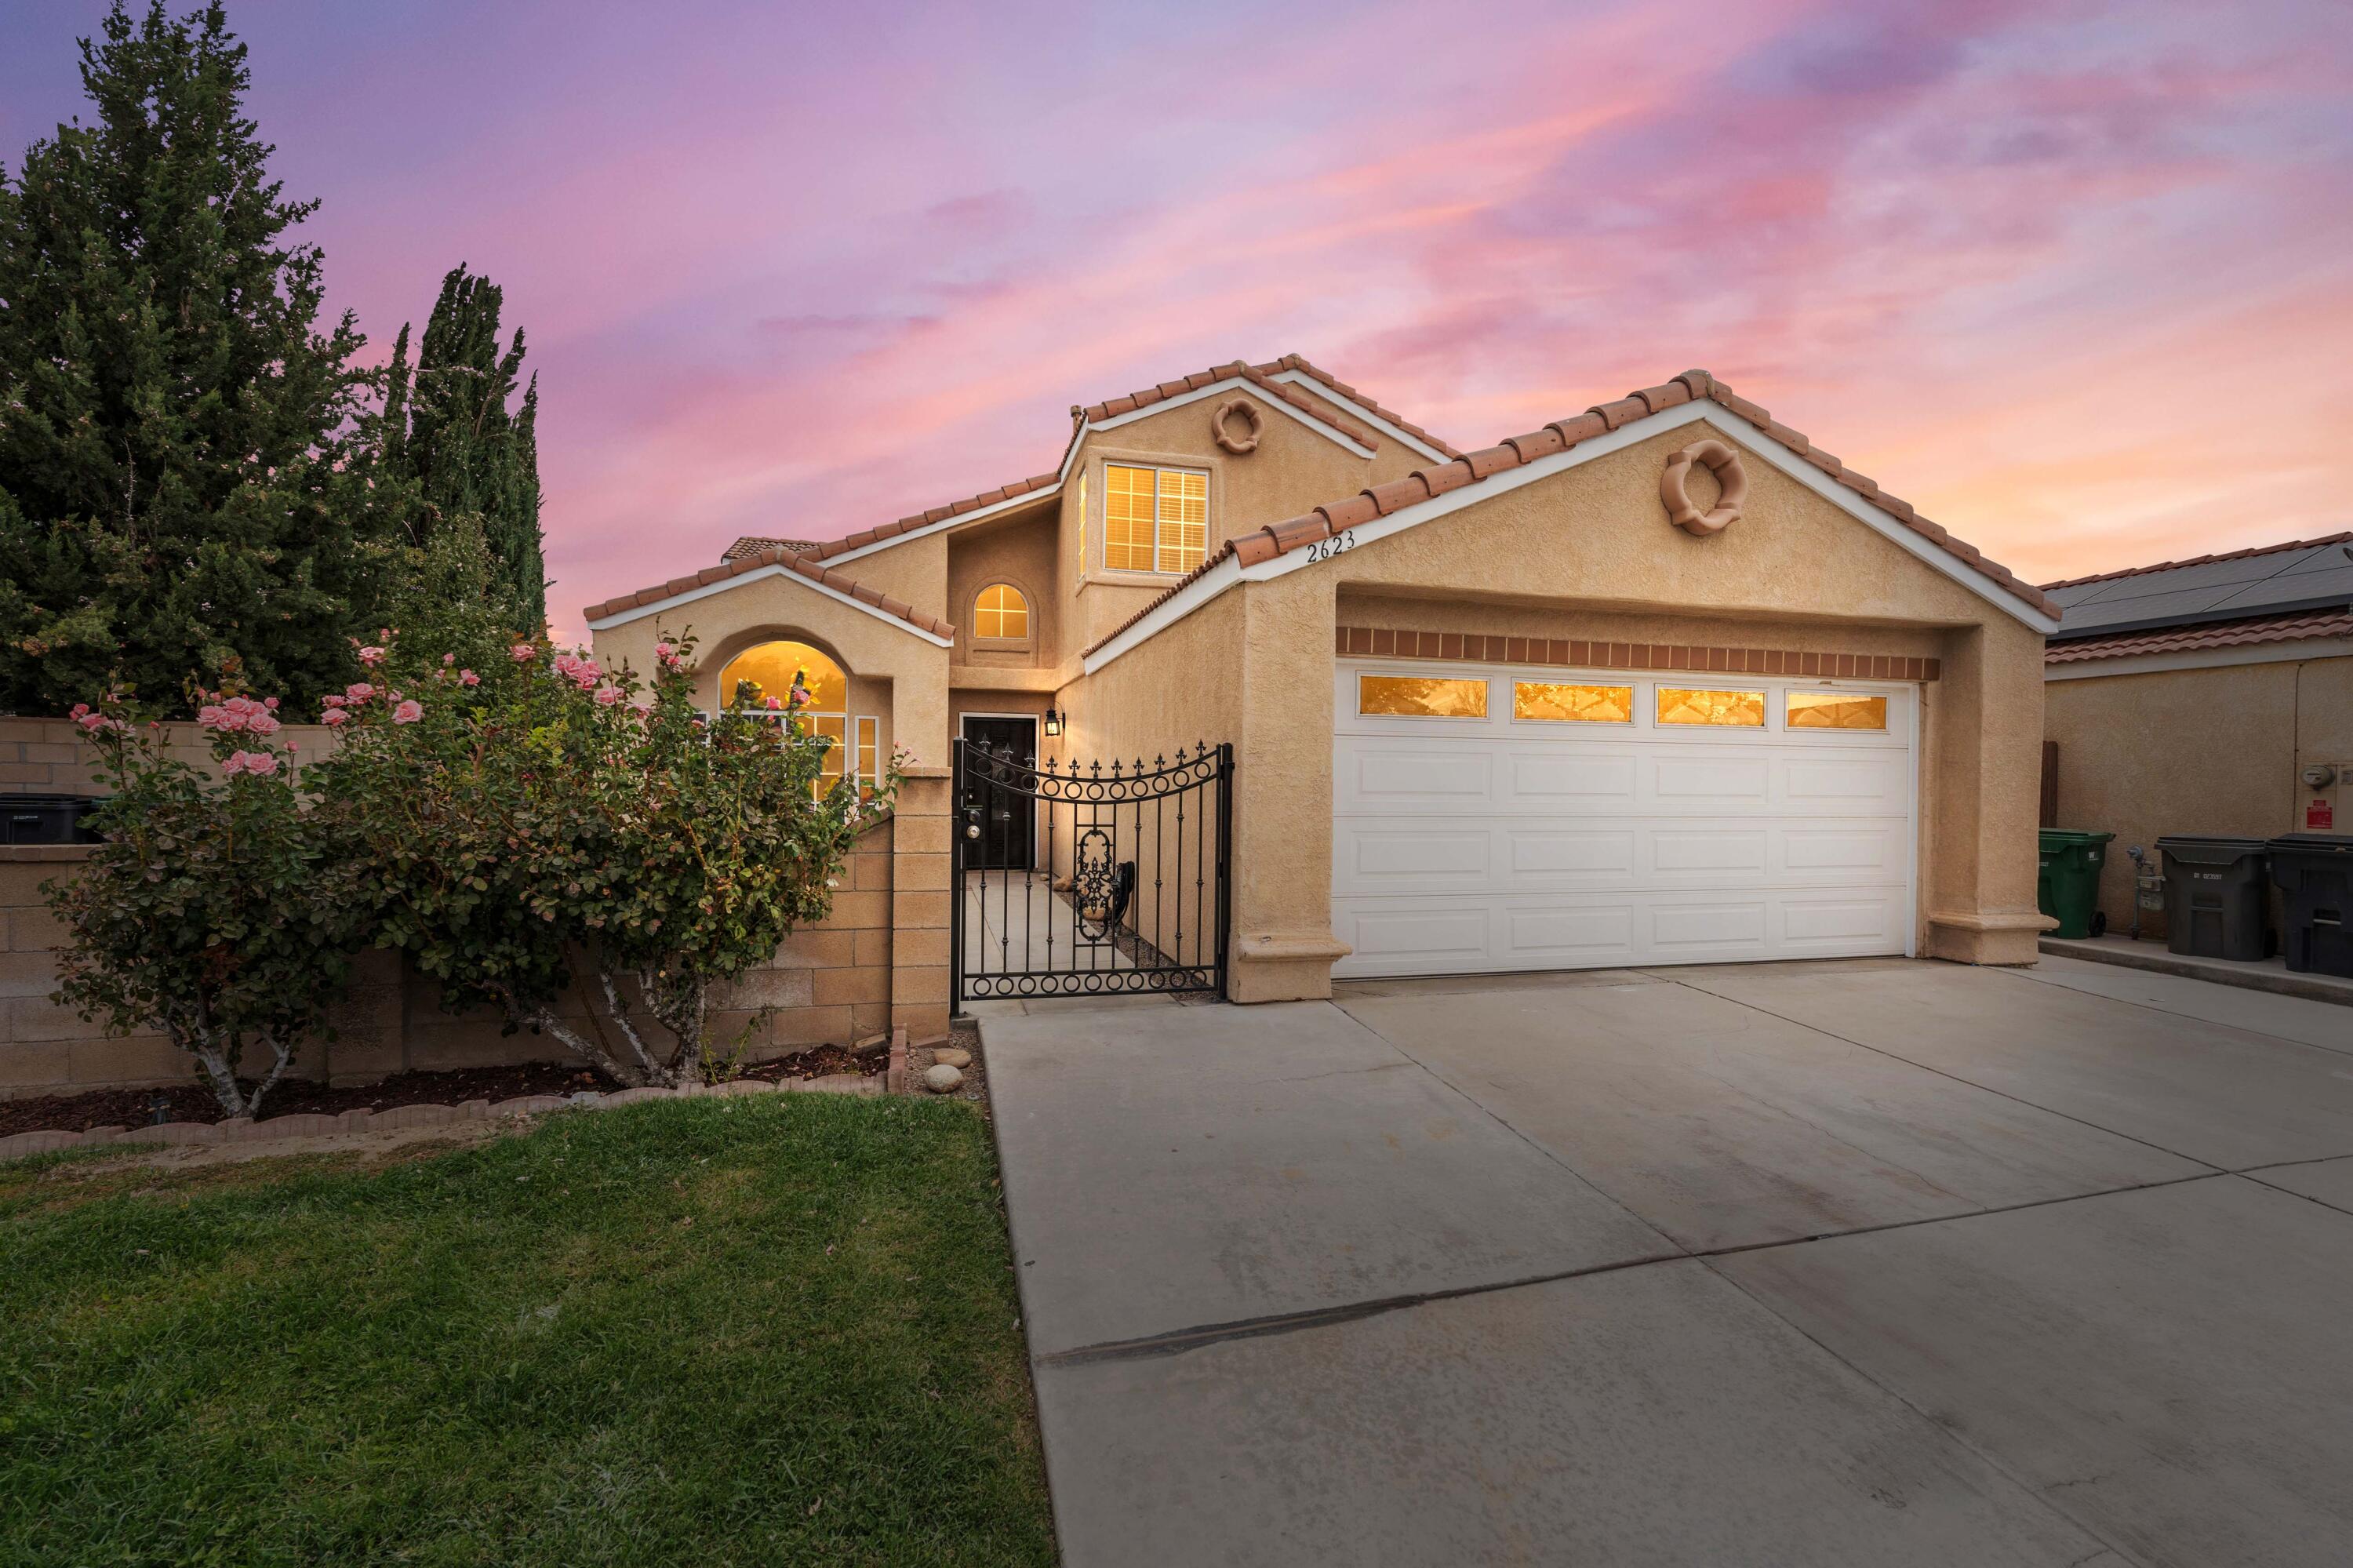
(2210, 590)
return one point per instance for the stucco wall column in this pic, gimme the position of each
(1283, 948)
(1985, 798)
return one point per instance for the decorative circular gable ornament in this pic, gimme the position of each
(1242, 409)
(1730, 477)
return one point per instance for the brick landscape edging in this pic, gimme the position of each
(316, 1124)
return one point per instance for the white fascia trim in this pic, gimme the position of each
(1210, 584)
(2202, 658)
(1230, 383)
(978, 514)
(1389, 427)
(755, 575)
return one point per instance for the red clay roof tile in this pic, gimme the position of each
(1481, 465)
(792, 561)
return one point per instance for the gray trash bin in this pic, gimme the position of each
(2217, 892)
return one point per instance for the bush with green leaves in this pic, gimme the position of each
(545, 824)
(219, 911)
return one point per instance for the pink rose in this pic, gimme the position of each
(235, 763)
(468, 678)
(80, 709)
(358, 691)
(772, 703)
(521, 653)
(371, 655)
(270, 703)
(449, 658)
(607, 695)
(261, 764)
(408, 712)
(334, 717)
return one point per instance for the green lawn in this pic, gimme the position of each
(766, 1330)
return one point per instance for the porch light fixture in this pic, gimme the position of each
(1053, 723)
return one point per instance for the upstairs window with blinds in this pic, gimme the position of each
(1154, 519)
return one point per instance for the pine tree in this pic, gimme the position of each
(180, 491)
(450, 427)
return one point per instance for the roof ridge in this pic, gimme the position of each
(826, 549)
(1474, 468)
(2346, 537)
(800, 566)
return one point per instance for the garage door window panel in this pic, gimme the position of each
(1834, 710)
(1420, 696)
(1724, 709)
(1560, 702)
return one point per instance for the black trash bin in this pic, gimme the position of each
(2216, 893)
(2315, 873)
(46, 820)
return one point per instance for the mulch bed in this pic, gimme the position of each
(193, 1102)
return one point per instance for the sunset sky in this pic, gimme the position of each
(2076, 279)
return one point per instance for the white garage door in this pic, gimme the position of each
(1487, 820)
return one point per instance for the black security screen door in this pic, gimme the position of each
(1086, 878)
(1008, 821)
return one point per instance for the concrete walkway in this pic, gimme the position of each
(1859, 1262)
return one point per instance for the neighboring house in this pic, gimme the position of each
(2193, 696)
(1494, 711)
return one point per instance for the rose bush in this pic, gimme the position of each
(217, 912)
(542, 823)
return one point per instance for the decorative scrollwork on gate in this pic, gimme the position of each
(1090, 878)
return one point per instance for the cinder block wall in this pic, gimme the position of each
(831, 982)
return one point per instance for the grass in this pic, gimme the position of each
(768, 1329)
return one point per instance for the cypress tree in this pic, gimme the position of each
(450, 427)
(183, 493)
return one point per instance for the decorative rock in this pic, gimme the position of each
(954, 1056)
(942, 1079)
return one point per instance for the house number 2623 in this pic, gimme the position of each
(1325, 549)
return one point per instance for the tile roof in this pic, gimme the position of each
(1473, 468)
(752, 545)
(2293, 628)
(1259, 375)
(776, 555)
(2202, 560)
(1295, 362)
(865, 536)
(1280, 391)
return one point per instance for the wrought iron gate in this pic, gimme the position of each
(1122, 886)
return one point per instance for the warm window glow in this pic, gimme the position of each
(1679, 706)
(1420, 696)
(1575, 704)
(1834, 710)
(833, 727)
(1000, 611)
(1184, 519)
(1154, 519)
(771, 667)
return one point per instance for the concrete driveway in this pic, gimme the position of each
(1860, 1263)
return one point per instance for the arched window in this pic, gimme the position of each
(1001, 614)
(770, 667)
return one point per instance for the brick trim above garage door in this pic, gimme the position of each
(1383, 642)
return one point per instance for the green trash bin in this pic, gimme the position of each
(2068, 887)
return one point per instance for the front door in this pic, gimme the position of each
(1006, 820)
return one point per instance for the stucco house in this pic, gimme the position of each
(2211, 695)
(1662, 682)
